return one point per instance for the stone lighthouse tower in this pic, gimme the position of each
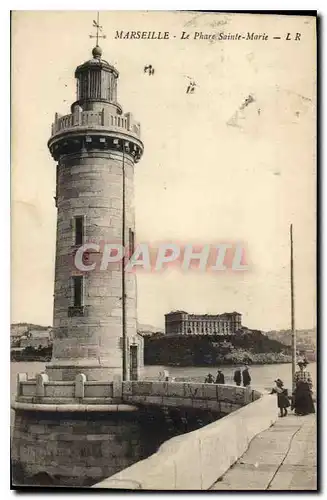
(72, 426)
(96, 148)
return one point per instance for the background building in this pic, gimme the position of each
(183, 323)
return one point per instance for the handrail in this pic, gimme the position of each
(95, 119)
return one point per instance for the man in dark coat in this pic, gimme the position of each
(220, 379)
(246, 377)
(237, 377)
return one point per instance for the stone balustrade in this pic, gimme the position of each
(220, 399)
(96, 119)
(41, 390)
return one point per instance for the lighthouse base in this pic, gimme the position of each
(65, 448)
(75, 433)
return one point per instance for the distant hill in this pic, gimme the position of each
(20, 328)
(306, 340)
(17, 329)
(251, 346)
(148, 329)
(308, 336)
(29, 325)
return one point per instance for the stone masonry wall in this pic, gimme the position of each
(196, 460)
(72, 450)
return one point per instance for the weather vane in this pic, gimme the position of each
(99, 29)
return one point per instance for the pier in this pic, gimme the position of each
(284, 457)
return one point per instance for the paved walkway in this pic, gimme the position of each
(281, 458)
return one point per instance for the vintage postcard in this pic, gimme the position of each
(163, 329)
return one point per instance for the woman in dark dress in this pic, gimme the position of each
(302, 396)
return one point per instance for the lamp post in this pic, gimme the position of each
(292, 309)
(125, 365)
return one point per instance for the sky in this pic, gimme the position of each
(210, 171)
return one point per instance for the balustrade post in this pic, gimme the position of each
(117, 387)
(80, 380)
(21, 377)
(41, 380)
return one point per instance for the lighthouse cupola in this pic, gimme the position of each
(97, 84)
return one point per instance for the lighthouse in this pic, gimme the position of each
(72, 426)
(96, 148)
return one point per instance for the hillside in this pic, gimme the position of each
(21, 328)
(148, 329)
(306, 341)
(249, 347)
(303, 336)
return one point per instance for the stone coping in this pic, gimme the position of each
(32, 381)
(69, 383)
(81, 408)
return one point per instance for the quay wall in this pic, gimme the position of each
(79, 432)
(194, 461)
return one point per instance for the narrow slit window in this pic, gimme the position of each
(79, 230)
(78, 291)
(131, 242)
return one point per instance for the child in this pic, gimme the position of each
(282, 397)
(209, 379)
